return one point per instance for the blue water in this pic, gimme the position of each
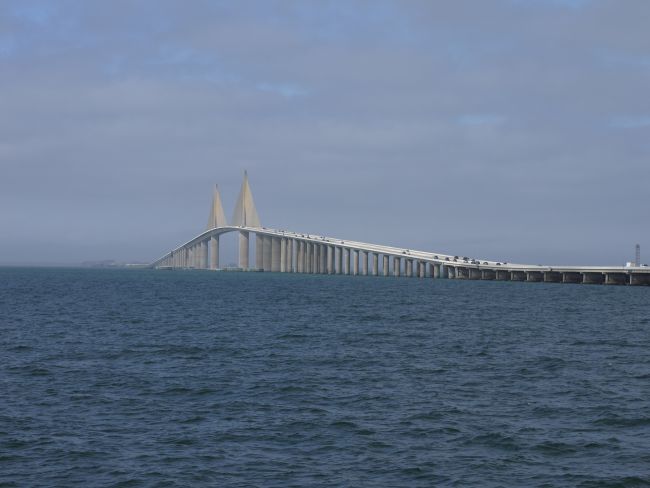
(159, 378)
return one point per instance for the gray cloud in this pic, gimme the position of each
(510, 129)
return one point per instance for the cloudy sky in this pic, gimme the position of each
(508, 129)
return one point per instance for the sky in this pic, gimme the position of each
(515, 130)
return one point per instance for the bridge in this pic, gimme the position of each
(284, 251)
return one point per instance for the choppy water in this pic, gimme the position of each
(155, 378)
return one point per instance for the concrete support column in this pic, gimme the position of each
(474, 274)
(322, 254)
(571, 277)
(308, 254)
(375, 264)
(300, 257)
(488, 274)
(423, 269)
(205, 264)
(323, 259)
(503, 275)
(267, 254)
(409, 268)
(397, 266)
(275, 254)
(616, 279)
(214, 252)
(517, 276)
(346, 261)
(339, 261)
(291, 244)
(243, 249)
(437, 270)
(593, 278)
(637, 279)
(330, 259)
(552, 277)
(385, 265)
(314, 258)
(283, 255)
(364, 263)
(534, 276)
(355, 262)
(259, 251)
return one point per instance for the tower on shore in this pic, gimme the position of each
(637, 256)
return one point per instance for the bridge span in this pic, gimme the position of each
(285, 251)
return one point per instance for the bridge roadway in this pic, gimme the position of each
(286, 251)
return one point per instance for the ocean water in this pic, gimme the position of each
(160, 379)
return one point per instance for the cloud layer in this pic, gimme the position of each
(514, 130)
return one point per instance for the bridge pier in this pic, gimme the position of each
(375, 264)
(408, 265)
(283, 255)
(267, 254)
(552, 277)
(502, 275)
(243, 249)
(474, 274)
(289, 257)
(616, 279)
(571, 277)
(339, 261)
(310, 258)
(593, 278)
(534, 276)
(639, 279)
(397, 265)
(323, 258)
(214, 252)
(259, 251)
(518, 276)
(488, 274)
(275, 254)
(299, 252)
(364, 263)
(355, 262)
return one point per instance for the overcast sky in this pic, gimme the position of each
(516, 130)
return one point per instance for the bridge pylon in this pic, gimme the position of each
(245, 215)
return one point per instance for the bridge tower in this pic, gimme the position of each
(245, 216)
(217, 218)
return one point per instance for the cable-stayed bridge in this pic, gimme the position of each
(284, 251)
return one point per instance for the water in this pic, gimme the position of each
(156, 378)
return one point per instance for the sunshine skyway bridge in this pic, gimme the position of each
(284, 251)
